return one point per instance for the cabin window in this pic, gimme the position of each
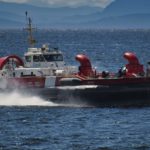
(41, 58)
(38, 58)
(14, 74)
(54, 57)
(28, 58)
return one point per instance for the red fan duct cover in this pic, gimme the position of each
(133, 67)
(4, 60)
(85, 67)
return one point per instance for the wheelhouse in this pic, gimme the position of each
(43, 57)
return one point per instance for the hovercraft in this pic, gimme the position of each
(43, 72)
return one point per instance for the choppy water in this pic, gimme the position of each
(29, 122)
(74, 128)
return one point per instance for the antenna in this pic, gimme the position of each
(29, 28)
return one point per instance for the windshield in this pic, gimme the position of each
(38, 58)
(54, 57)
(28, 58)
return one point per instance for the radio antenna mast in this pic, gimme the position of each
(29, 28)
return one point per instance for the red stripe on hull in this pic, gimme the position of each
(26, 82)
(117, 81)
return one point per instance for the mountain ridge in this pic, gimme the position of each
(119, 14)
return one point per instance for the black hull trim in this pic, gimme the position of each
(97, 96)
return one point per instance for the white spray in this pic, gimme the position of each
(17, 99)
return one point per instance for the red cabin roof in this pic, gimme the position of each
(4, 60)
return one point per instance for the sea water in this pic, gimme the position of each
(29, 122)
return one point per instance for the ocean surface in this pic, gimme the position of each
(31, 123)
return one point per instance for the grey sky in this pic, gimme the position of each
(57, 3)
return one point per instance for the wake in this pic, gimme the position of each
(18, 99)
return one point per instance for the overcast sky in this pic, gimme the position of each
(58, 3)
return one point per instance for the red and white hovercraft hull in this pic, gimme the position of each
(123, 89)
